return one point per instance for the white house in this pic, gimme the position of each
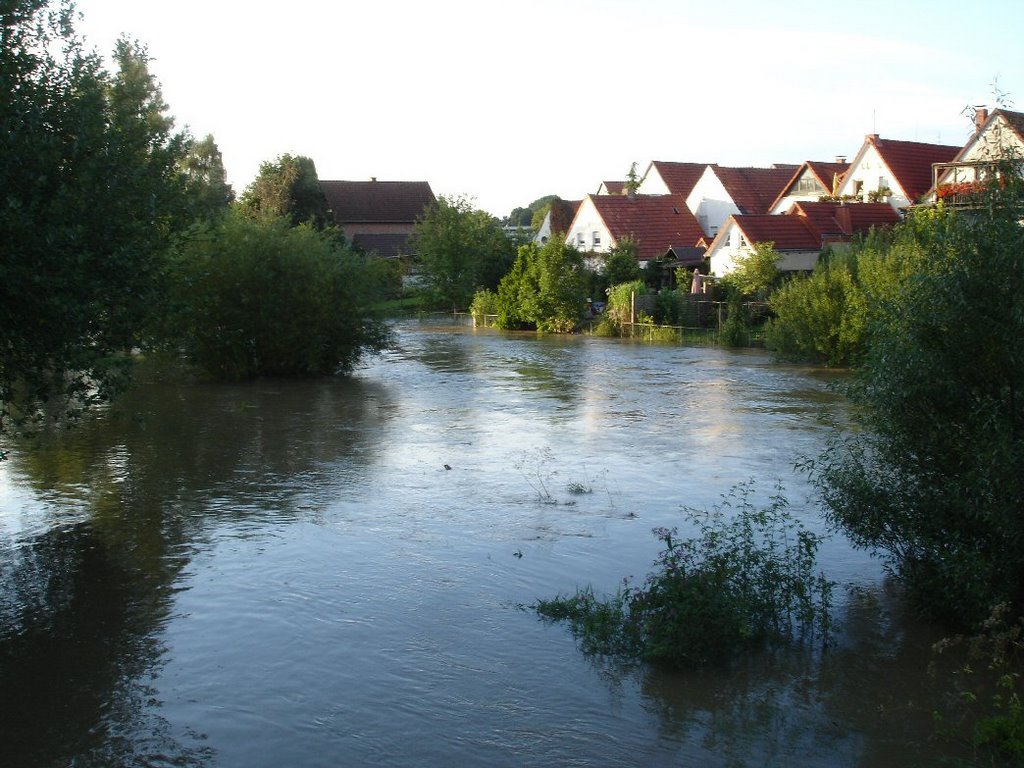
(999, 135)
(812, 181)
(722, 192)
(669, 178)
(899, 172)
(656, 223)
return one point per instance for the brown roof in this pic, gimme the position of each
(911, 161)
(562, 214)
(754, 189)
(655, 222)
(789, 233)
(680, 178)
(835, 219)
(614, 187)
(377, 201)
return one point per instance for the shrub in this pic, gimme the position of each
(485, 303)
(746, 579)
(256, 297)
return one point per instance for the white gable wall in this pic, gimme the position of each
(997, 141)
(710, 203)
(796, 195)
(588, 231)
(652, 183)
(869, 173)
(731, 245)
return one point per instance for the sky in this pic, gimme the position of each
(507, 102)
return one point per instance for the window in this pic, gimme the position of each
(808, 185)
(581, 240)
(596, 239)
(743, 240)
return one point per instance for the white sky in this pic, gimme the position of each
(506, 102)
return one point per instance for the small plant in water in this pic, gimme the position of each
(747, 578)
(535, 467)
(578, 489)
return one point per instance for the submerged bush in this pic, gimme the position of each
(747, 578)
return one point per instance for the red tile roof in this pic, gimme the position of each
(754, 189)
(614, 187)
(377, 201)
(656, 222)
(789, 233)
(835, 219)
(911, 161)
(680, 178)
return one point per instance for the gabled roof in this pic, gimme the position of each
(612, 187)
(680, 178)
(562, 212)
(1014, 119)
(836, 219)
(827, 174)
(754, 189)
(377, 201)
(909, 161)
(789, 233)
(655, 222)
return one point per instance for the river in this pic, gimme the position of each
(339, 572)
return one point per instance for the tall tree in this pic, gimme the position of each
(89, 172)
(209, 193)
(289, 187)
(461, 249)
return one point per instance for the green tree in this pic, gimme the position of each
(89, 165)
(254, 297)
(621, 264)
(756, 271)
(461, 249)
(209, 193)
(545, 289)
(632, 181)
(935, 479)
(288, 187)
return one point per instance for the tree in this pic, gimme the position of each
(544, 289)
(288, 187)
(756, 271)
(89, 167)
(209, 193)
(621, 265)
(935, 479)
(461, 249)
(632, 181)
(260, 297)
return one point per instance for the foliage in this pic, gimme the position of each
(632, 181)
(485, 304)
(986, 712)
(620, 302)
(287, 187)
(935, 479)
(545, 289)
(253, 297)
(747, 578)
(92, 194)
(209, 193)
(821, 318)
(532, 215)
(461, 249)
(756, 271)
(620, 263)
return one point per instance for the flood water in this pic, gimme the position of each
(334, 573)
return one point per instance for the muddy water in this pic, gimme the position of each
(332, 573)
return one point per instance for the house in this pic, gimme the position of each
(812, 181)
(998, 135)
(721, 192)
(798, 235)
(655, 222)
(898, 172)
(666, 178)
(378, 216)
(557, 220)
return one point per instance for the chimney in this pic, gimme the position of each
(980, 116)
(373, 178)
(841, 159)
